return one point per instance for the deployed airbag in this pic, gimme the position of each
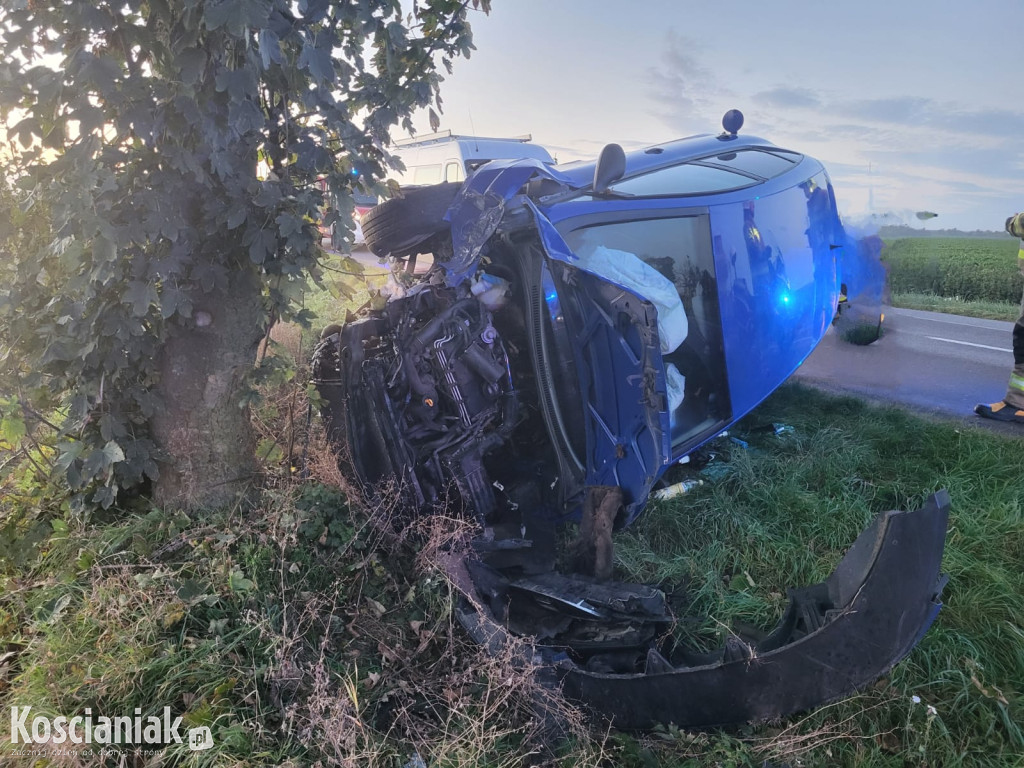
(632, 273)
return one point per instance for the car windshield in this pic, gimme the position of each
(754, 162)
(685, 179)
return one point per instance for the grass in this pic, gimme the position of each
(989, 310)
(301, 631)
(781, 515)
(308, 630)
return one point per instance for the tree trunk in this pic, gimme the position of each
(205, 433)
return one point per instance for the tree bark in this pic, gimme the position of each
(201, 426)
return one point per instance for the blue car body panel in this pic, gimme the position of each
(777, 289)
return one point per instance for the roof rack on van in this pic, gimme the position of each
(442, 136)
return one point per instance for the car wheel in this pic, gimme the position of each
(403, 225)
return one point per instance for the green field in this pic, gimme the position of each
(968, 269)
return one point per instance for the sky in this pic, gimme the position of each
(911, 105)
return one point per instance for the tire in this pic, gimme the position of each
(404, 225)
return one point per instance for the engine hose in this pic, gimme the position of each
(424, 335)
(422, 388)
(510, 404)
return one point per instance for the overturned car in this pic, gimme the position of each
(581, 329)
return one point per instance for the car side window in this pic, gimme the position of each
(453, 172)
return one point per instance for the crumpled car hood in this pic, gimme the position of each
(482, 204)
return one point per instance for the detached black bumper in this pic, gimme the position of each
(834, 638)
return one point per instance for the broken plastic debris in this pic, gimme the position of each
(716, 470)
(781, 429)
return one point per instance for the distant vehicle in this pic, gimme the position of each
(445, 157)
(363, 204)
(581, 330)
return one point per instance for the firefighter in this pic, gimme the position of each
(1011, 407)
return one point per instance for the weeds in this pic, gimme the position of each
(303, 630)
(988, 310)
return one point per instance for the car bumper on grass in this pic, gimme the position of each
(834, 638)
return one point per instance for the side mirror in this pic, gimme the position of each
(611, 165)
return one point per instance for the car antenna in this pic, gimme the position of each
(476, 144)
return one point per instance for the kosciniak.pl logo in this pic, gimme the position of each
(127, 730)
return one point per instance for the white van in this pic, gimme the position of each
(441, 157)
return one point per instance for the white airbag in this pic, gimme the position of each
(632, 273)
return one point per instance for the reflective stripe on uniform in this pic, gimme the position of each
(1017, 382)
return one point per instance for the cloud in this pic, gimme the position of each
(961, 159)
(912, 111)
(788, 98)
(588, 149)
(686, 92)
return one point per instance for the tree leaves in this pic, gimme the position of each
(191, 62)
(237, 16)
(12, 428)
(269, 47)
(141, 296)
(317, 61)
(263, 247)
(192, 147)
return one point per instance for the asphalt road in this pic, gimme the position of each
(934, 363)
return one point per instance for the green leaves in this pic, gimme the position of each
(211, 138)
(12, 424)
(140, 296)
(191, 62)
(263, 247)
(317, 61)
(236, 16)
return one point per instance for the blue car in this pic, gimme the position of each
(581, 332)
(585, 327)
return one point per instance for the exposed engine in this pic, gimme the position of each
(428, 392)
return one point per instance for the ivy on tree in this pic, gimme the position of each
(184, 150)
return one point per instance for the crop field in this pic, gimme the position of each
(970, 269)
